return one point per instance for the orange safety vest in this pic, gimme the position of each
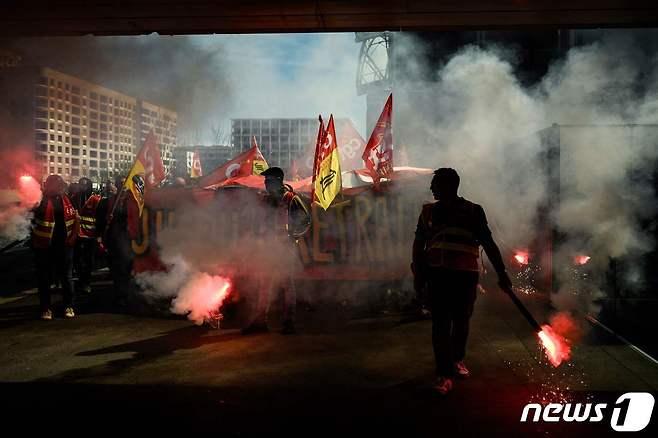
(452, 243)
(87, 228)
(43, 224)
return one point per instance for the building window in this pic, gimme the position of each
(75, 141)
(93, 163)
(75, 172)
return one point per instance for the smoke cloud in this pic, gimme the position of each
(203, 263)
(16, 203)
(478, 118)
(210, 79)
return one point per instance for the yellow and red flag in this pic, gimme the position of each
(316, 155)
(147, 171)
(195, 171)
(250, 162)
(327, 177)
(378, 153)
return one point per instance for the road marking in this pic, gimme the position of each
(593, 320)
(24, 294)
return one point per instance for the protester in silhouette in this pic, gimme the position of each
(287, 219)
(445, 262)
(53, 234)
(121, 228)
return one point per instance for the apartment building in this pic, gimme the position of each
(78, 128)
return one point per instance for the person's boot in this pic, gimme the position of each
(69, 313)
(288, 327)
(443, 385)
(461, 371)
(47, 315)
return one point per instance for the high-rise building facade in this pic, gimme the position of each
(78, 128)
(280, 140)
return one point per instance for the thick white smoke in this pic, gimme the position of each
(19, 193)
(205, 260)
(486, 124)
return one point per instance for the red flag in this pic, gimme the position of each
(350, 143)
(250, 162)
(147, 165)
(318, 145)
(378, 153)
(327, 176)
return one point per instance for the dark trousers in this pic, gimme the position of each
(120, 263)
(56, 260)
(85, 252)
(451, 295)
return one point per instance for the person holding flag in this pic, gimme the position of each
(326, 174)
(125, 210)
(378, 153)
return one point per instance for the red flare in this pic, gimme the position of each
(521, 257)
(581, 259)
(555, 346)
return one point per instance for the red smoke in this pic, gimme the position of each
(558, 337)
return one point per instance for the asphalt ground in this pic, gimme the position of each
(350, 370)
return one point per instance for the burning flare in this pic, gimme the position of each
(203, 295)
(555, 346)
(521, 257)
(581, 259)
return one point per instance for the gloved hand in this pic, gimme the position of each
(504, 281)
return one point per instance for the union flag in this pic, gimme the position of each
(378, 153)
(147, 171)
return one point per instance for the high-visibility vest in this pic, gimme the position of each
(43, 224)
(87, 212)
(281, 218)
(451, 242)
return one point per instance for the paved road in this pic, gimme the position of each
(345, 373)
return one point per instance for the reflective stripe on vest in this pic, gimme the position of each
(88, 217)
(448, 245)
(44, 227)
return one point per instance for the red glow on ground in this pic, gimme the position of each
(555, 346)
(521, 257)
(581, 259)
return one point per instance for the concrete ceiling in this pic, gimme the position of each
(130, 17)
